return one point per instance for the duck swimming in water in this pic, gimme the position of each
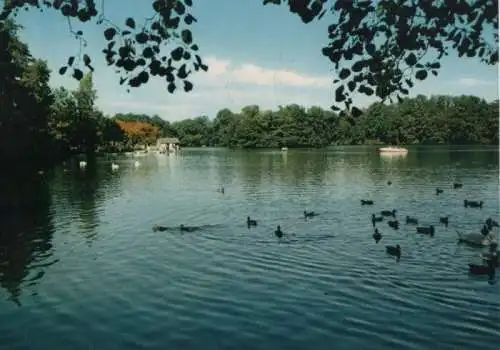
(309, 214)
(389, 212)
(366, 202)
(438, 191)
(410, 220)
(159, 228)
(188, 228)
(278, 232)
(376, 219)
(251, 222)
(444, 220)
(394, 224)
(394, 251)
(377, 236)
(426, 230)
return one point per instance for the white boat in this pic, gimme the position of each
(394, 150)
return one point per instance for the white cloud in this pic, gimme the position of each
(224, 72)
(474, 82)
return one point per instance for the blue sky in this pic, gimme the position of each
(257, 54)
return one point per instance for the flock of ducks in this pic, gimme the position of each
(490, 260)
(480, 240)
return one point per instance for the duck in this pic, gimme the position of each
(278, 232)
(410, 220)
(473, 204)
(482, 270)
(485, 230)
(188, 228)
(389, 182)
(159, 228)
(444, 220)
(457, 185)
(491, 223)
(251, 222)
(438, 191)
(394, 224)
(114, 166)
(426, 230)
(366, 202)
(309, 214)
(376, 219)
(220, 189)
(389, 212)
(377, 236)
(394, 251)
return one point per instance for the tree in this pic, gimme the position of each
(378, 48)
(25, 99)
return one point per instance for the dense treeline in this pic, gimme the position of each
(39, 124)
(419, 120)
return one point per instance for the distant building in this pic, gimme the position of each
(167, 144)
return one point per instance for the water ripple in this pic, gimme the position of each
(99, 277)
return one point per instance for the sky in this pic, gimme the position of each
(256, 54)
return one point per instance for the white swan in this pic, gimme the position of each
(114, 166)
(476, 239)
(83, 164)
(137, 164)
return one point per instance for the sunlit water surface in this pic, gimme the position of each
(81, 268)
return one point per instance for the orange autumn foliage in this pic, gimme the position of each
(139, 132)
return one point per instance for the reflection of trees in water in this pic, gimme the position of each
(297, 167)
(80, 193)
(26, 231)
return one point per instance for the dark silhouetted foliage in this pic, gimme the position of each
(378, 48)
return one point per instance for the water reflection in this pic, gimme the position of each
(26, 230)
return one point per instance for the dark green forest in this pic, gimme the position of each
(42, 125)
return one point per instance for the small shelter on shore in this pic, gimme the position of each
(167, 144)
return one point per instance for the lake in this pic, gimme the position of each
(81, 268)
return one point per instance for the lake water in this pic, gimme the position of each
(81, 268)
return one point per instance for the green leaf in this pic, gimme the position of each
(356, 112)
(141, 38)
(171, 88)
(411, 59)
(177, 53)
(365, 90)
(148, 52)
(188, 2)
(77, 74)
(86, 59)
(187, 36)
(110, 33)
(421, 74)
(130, 23)
(63, 70)
(370, 49)
(188, 86)
(344, 73)
(71, 60)
(188, 19)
